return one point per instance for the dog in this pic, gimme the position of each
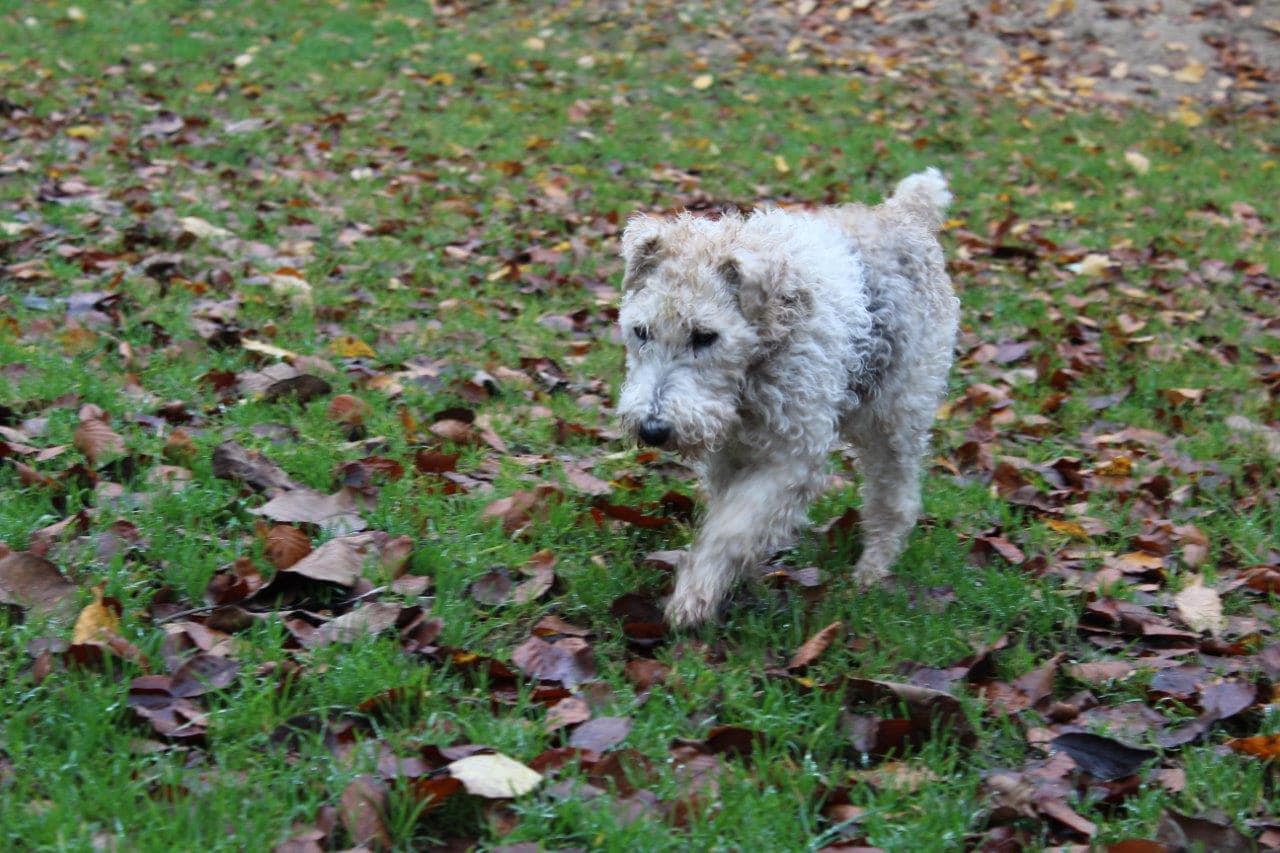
(754, 344)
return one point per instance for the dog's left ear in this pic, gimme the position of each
(769, 293)
(641, 248)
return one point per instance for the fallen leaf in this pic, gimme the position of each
(601, 734)
(1201, 608)
(1102, 757)
(1266, 747)
(1138, 162)
(365, 621)
(815, 646)
(337, 513)
(494, 776)
(285, 545)
(568, 660)
(97, 440)
(233, 461)
(97, 621)
(339, 561)
(364, 812)
(34, 583)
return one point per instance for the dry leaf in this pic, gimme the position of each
(1137, 162)
(97, 622)
(1201, 608)
(494, 776)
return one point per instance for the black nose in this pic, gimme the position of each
(655, 432)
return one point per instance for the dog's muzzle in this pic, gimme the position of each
(654, 432)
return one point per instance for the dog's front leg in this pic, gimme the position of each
(748, 518)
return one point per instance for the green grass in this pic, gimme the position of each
(512, 147)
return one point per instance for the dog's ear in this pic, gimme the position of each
(769, 293)
(641, 248)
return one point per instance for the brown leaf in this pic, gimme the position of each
(34, 583)
(517, 509)
(1055, 808)
(365, 621)
(601, 734)
(644, 673)
(435, 462)
(567, 712)
(541, 571)
(303, 388)
(1183, 832)
(96, 440)
(348, 411)
(492, 588)
(815, 646)
(927, 707)
(1218, 701)
(339, 561)
(1266, 747)
(363, 812)
(585, 482)
(202, 673)
(336, 513)
(568, 660)
(551, 624)
(285, 545)
(233, 461)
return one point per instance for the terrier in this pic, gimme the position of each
(755, 344)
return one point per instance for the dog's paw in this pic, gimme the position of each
(867, 575)
(688, 611)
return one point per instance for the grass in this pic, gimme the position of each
(440, 132)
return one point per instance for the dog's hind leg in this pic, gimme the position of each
(748, 517)
(890, 462)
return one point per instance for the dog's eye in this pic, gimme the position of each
(641, 333)
(702, 339)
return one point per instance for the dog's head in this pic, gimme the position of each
(704, 300)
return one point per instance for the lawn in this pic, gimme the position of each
(313, 501)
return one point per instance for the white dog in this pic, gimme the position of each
(755, 343)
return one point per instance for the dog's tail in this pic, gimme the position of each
(925, 195)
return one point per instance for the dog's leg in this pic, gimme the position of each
(748, 518)
(890, 463)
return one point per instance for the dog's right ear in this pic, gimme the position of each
(641, 247)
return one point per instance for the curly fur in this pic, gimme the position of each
(832, 324)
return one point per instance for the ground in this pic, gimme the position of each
(318, 530)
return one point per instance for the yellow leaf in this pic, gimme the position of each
(440, 78)
(349, 346)
(84, 131)
(289, 282)
(265, 348)
(1138, 162)
(703, 81)
(534, 43)
(1093, 264)
(780, 163)
(1068, 528)
(197, 227)
(1192, 72)
(1188, 117)
(1057, 7)
(96, 622)
(1120, 466)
